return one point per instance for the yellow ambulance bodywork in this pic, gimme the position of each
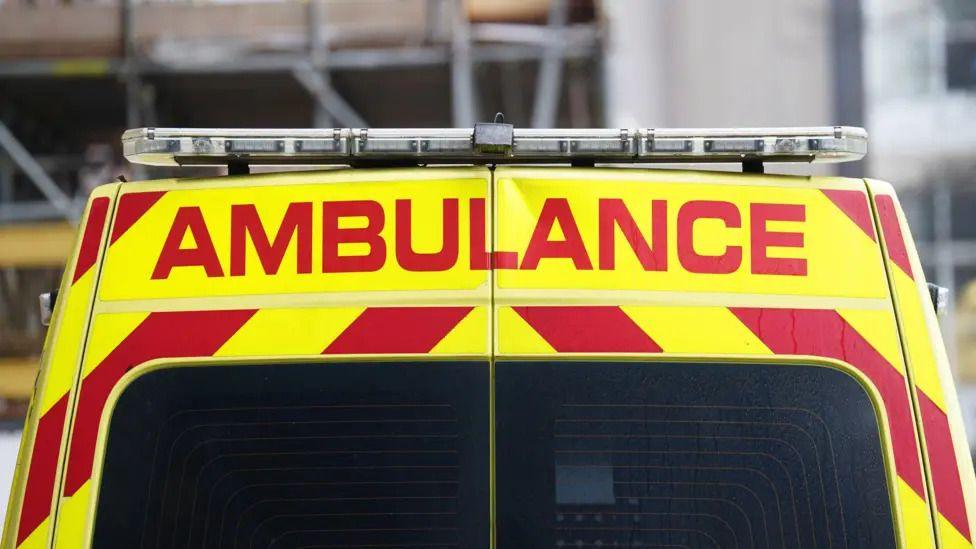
(495, 265)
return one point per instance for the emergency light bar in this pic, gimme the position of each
(490, 143)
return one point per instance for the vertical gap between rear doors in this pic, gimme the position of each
(493, 333)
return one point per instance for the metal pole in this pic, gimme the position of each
(313, 75)
(133, 102)
(462, 69)
(327, 98)
(58, 198)
(6, 180)
(131, 77)
(315, 48)
(549, 80)
(848, 64)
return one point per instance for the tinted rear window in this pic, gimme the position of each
(324, 455)
(687, 455)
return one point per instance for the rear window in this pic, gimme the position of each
(588, 454)
(632, 454)
(313, 455)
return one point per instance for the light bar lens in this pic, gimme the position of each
(168, 146)
(248, 146)
(320, 146)
(668, 146)
(737, 146)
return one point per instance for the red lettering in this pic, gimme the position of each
(613, 212)
(244, 221)
(763, 239)
(479, 254)
(188, 218)
(724, 263)
(333, 235)
(441, 260)
(556, 210)
(504, 260)
(476, 234)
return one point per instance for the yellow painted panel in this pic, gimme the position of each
(950, 537)
(515, 336)
(915, 518)
(289, 331)
(878, 327)
(39, 538)
(712, 330)
(108, 332)
(924, 370)
(72, 518)
(841, 260)
(131, 265)
(67, 343)
(470, 336)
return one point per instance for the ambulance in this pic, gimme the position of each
(493, 337)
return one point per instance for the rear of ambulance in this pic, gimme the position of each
(494, 357)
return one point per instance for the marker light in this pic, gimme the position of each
(490, 144)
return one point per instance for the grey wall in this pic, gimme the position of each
(718, 63)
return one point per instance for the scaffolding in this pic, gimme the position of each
(311, 41)
(494, 52)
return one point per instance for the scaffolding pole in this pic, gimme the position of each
(327, 99)
(549, 79)
(462, 68)
(51, 191)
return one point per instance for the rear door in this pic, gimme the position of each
(290, 360)
(713, 361)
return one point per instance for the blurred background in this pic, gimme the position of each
(74, 75)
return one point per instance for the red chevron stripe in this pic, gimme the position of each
(91, 240)
(39, 488)
(893, 238)
(588, 329)
(854, 204)
(825, 333)
(132, 206)
(387, 330)
(167, 334)
(942, 462)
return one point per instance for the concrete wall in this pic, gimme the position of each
(706, 63)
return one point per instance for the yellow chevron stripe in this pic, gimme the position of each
(470, 336)
(39, 537)
(111, 330)
(72, 518)
(950, 537)
(289, 331)
(878, 327)
(925, 373)
(713, 330)
(916, 520)
(67, 342)
(516, 337)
